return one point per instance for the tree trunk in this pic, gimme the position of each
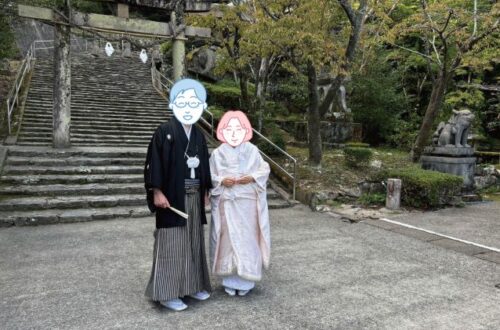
(313, 123)
(245, 98)
(260, 91)
(437, 96)
(61, 119)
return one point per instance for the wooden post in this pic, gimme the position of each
(393, 199)
(178, 52)
(62, 85)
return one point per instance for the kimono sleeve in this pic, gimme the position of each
(262, 169)
(206, 164)
(158, 162)
(214, 171)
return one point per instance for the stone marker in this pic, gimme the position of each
(393, 199)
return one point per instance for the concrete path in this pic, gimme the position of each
(325, 274)
(478, 223)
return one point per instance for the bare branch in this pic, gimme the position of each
(351, 15)
(413, 51)
(474, 32)
(475, 40)
(393, 7)
(433, 43)
(450, 14)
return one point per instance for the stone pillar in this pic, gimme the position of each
(62, 87)
(178, 53)
(122, 10)
(178, 56)
(393, 199)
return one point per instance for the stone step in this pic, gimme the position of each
(89, 116)
(71, 190)
(71, 179)
(104, 104)
(43, 130)
(109, 100)
(103, 136)
(51, 216)
(272, 194)
(86, 115)
(100, 140)
(72, 161)
(34, 170)
(115, 91)
(98, 121)
(82, 144)
(29, 218)
(80, 152)
(70, 202)
(275, 204)
(93, 125)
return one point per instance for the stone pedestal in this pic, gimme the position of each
(453, 160)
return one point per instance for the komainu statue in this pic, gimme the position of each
(454, 133)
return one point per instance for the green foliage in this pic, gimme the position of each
(292, 92)
(273, 133)
(224, 93)
(8, 47)
(372, 199)
(357, 156)
(469, 98)
(423, 188)
(376, 100)
(490, 157)
(405, 132)
(166, 47)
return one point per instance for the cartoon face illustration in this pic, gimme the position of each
(187, 100)
(234, 128)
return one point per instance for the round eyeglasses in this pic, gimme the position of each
(191, 104)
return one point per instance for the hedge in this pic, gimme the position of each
(424, 188)
(225, 94)
(357, 156)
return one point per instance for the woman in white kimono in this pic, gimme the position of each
(240, 240)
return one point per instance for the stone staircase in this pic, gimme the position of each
(114, 113)
(112, 103)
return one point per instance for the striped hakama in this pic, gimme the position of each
(179, 259)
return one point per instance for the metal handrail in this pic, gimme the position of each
(163, 89)
(293, 176)
(211, 123)
(157, 79)
(13, 96)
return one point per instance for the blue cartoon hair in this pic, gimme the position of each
(186, 84)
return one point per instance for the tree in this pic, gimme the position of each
(241, 33)
(450, 32)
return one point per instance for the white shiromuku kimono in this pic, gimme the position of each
(240, 239)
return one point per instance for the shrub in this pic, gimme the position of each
(377, 99)
(372, 199)
(276, 136)
(224, 93)
(424, 188)
(357, 156)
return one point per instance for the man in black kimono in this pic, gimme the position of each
(177, 176)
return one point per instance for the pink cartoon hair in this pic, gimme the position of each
(224, 121)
